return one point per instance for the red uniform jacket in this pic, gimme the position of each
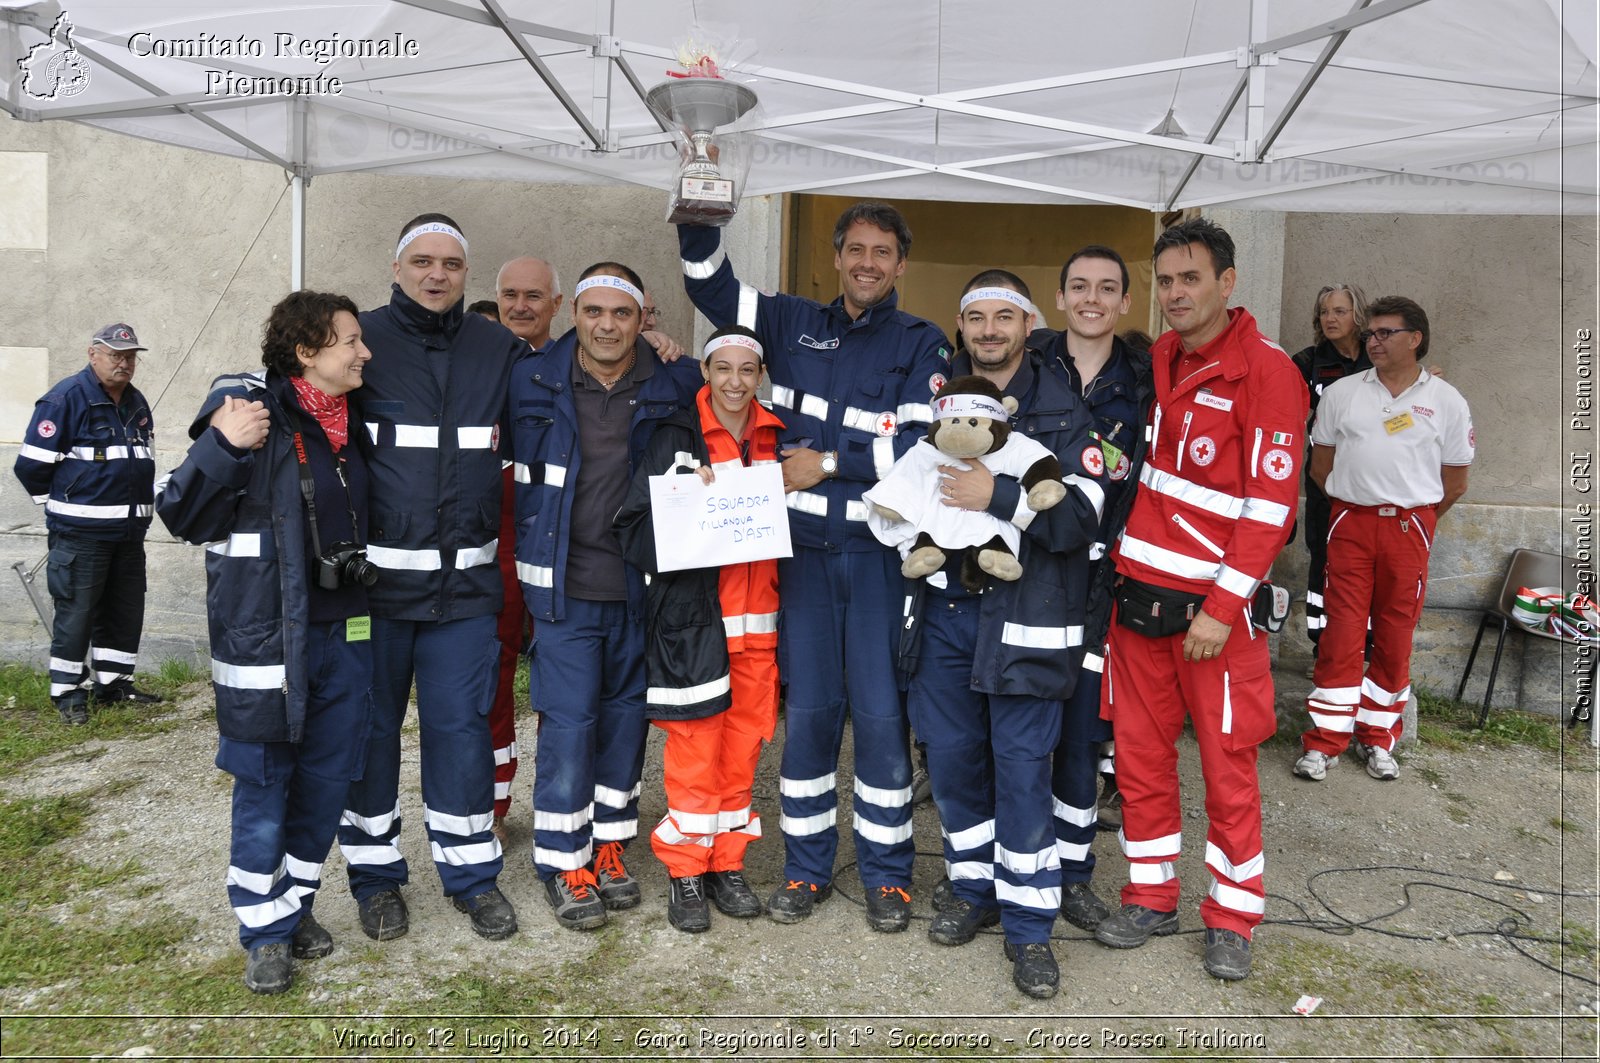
(1217, 494)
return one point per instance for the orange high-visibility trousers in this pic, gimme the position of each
(710, 767)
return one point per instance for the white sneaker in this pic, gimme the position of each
(1380, 762)
(1314, 765)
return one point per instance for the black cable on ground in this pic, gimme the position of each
(1513, 929)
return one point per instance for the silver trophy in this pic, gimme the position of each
(698, 106)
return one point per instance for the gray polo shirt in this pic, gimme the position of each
(595, 569)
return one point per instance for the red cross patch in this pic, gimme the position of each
(936, 383)
(887, 424)
(494, 437)
(1203, 451)
(1278, 464)
(1123, 466)
(47, 429)
(1093, 460)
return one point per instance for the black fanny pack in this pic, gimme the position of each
(1152, 611)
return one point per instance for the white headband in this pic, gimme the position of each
(431, 227)
(735, 340)
(606, 280)
(963, 405)
(1005, 294)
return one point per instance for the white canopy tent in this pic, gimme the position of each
(1429, 106)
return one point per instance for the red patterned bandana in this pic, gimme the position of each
(331, 411)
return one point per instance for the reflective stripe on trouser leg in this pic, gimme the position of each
(882, 798)
(1075, 778)
(1234, 691)
(1027, 867)
(1400, 584)
(952, 723)
(1348, 593)
(119, 614)
(587, 681)
(1147, 713)
(510, 629)
(745, 726)
(1314, 518)
(369, 830)
(841, 615)
(503, 712)
(287, 797)
(682, 840)
(455, 673)
(75, 575)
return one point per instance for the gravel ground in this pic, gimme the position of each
(1470, 843)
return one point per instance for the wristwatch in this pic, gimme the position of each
(830, 463)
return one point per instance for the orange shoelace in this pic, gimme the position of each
(609, 860)
(887, 890)
(798, 884)
(579, 882)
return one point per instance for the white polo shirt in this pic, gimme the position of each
(1390, 447)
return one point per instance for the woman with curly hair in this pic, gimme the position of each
(276, 489)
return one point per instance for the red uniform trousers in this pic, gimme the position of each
(1377, 567)
(709, 768)
(512, 631)
(1147, 691)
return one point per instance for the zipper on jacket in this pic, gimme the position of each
(1195, 534)
(1183, 438)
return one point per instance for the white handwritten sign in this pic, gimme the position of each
(741, 517)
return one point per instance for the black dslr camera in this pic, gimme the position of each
(342, 565)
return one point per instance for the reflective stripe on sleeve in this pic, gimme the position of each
(704, 270)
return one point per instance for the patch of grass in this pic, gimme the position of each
(31, 728)
(1560, 824)
(178, 672)
(1581, 941)
(1429, 775)
(1452, 724)
(1532, 836)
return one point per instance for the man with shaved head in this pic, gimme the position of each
(434, 410)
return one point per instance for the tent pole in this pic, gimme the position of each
(297, 200)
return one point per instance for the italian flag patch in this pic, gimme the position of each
(1282, 439)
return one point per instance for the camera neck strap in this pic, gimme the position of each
(308, 482)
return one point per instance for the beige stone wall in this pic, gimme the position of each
(193, 250)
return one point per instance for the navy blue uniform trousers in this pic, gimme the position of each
(587, 682)
(989, 762)
(454, 665)
(287, 796)
(841, 619)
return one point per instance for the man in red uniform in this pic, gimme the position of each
(1392, 447)
(1215, 505)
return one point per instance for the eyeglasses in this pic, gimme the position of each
(120, 357)
(1382, 334)
(651, 315)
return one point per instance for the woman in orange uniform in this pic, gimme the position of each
(712, 645)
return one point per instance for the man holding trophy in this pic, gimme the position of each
(852, 380)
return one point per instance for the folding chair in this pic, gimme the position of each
(1528, 568)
